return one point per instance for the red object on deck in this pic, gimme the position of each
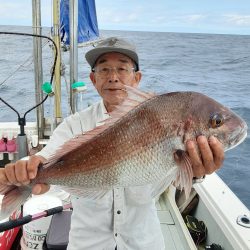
(8, 237)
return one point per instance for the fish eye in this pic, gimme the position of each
(216, 120)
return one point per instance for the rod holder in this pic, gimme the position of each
(22, 146)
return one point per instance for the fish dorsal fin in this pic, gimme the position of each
(134, 98)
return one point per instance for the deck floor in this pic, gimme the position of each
(169, 229)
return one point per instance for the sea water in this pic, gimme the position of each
(216, 65)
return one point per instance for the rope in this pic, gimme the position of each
(14, 72)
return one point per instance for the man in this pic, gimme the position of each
(125, 218)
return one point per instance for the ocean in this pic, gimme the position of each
(216, 65)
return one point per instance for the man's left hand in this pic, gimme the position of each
(207, 156)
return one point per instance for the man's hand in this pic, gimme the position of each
(209, 156)
(22, 172)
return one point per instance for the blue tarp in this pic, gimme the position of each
(87, 21)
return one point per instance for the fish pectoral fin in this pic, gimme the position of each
(13, 198)
(185, 172)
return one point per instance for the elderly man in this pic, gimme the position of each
(124, 218)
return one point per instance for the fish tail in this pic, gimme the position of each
(13, 198)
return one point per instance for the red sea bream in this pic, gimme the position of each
(143, 142)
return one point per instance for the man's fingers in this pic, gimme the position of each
(3, 177)
(10, 173)
(192, 149)
(218, 151)
(40, 189)
(32, 166)
(206, 155)
(21, 172)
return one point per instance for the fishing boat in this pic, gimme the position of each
(212, 217)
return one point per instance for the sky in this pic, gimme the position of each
(195, 16)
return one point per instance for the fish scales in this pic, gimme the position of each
(141, 142)
(127, 148)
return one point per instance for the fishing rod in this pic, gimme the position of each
(22, 140)
(41, 36)
(52, 73)
(28, 218)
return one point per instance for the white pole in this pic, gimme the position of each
(57, 77)
(37, 55)
(73, 17)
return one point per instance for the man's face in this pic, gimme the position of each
(113, 71)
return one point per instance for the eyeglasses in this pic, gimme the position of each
(121, 71)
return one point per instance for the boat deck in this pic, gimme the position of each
(175, 233)
(170, 231)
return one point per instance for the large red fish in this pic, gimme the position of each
(143, 142)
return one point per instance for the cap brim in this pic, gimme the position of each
(92, 55)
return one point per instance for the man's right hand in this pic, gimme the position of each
(22, 172)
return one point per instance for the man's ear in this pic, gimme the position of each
(138, 76)
(92, 77)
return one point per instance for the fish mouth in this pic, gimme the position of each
(237, 137)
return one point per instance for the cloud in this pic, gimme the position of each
(191, 19)
(239, 20)
(194, 18)
(132, 17)
(118, 17)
